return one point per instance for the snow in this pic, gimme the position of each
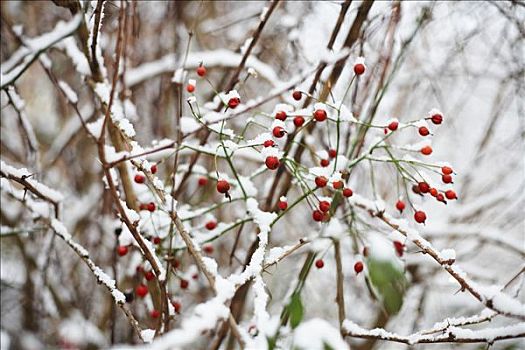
(316, 333)
(68, 91)
(147, 335)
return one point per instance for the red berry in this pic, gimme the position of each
(446, 178)
(282, 205)
(298, 121)
(143, 206)
(400, 205)
(210, 225)
(148, 275)
(437, 119)
(347, 192)
(324, 163)
(151, 207)
(423, 187)
(423, 131)
(195, 276)
(297, 95)
(190, 88)
(338, 185)
(324, 206)
(447, 170)
(441, 198)
(153, 169)
(332, 153)
(400, 248)
(156, 240)
(184, 283)
(278, 132)
(141, 290)
(177, 306)
(202, 181)
(420, 216)
(321, 181)
(223, 186)
(268, 143)
(320, 115)
(427, 150)
(140, 179)
(450, 194)
(358, 267)
(122, 250)
(234, 102)
(393, 126)
(272, 162)
(154, 313)
(281, 115)
(359, 68)
(201, 71)
(317, 215)
(208, 249)
(319, 263)
(433, 192)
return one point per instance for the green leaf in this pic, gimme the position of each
(389, 282)
(296, 310)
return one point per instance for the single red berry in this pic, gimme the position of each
(282, 205)
(234, 102)
(151, 207)
(441, 198)
(317, 215)
(223, 186)
(385, 131)
(423, 187)
(359, 68)
(272, 162)
(338, 185)
(324, 206)
(446, 178)
(149, 275)
(332, 153)
(450, 194)
(415, 189)
(201, 71)
(154, 313)
(143, 206)
(177, 306)
(141, 290)
(319, 263)
(298, 121)
(176, 263)
(139, 269)
(140, 179)
(420, 216)
(320, 115)
(122, 250)
(437, 119)
(297, 95)
(423, 131)
(393, 126)
(433, 192)
(400, 248)
(321, 181)
(156, 240)
(347, 192)
(208, 249)
(184, 283)
(278, 132)
(358, 267)
(202, 181)
(195, 276)
(427, 150)
(400, 205)
(281, 115)
(324, 163)
(210, 225)
(268, 143)
(446, 170)
(153, 169)
(190, 88)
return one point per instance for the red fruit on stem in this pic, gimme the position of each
(420, 217)
(423, 131)
(359, 68)
(441, 198)
(210, 225)
(450, 194)
(321, 181)
(400, 205)
(154, 313)
(324, 206)
(202, 181)
(433, 192)
(190, 88)
(153, 169)
(149, 275)
(201, 71)
(122, 250)
(393, 126)
(184, 283)
(446, 170)
(234, 102)
(423, 187)
(297, 95)
(140, 179)
(281, 115)
(400, 248)
(347, 192)
(272, 162)
(338, 185)
(332, 153)
(151, 207)
(156, 240)
(282, 205)
(143, 206)
(298, 121)
(446, 178)
(320, 115)
(324, 163)
(141, 290)
(358, 267)
(437, 119)
(195, 276)
(319, 263)
(278, 132)
(268, 143)
(208, 249)
(223, 186)
(427, 150)
(317, 215)
(177, 306)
